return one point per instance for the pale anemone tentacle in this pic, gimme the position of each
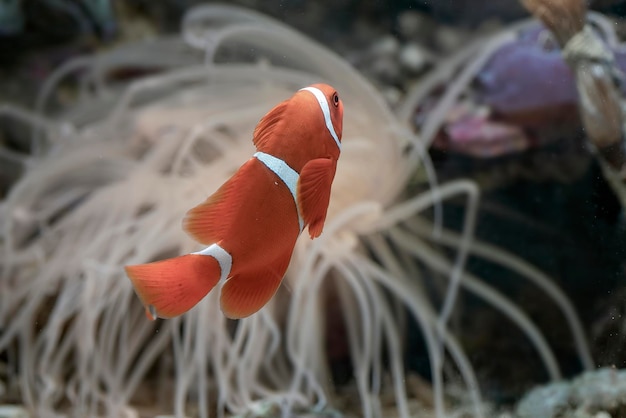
(425, 314)
(49, 85)
(198, 74)
(607, 28)
(420, 308)
(418, 155)
(472, 283)
(425, 326)
(524, 269)
(355, 279)
(159, 53)
(300, 344)
(417, 204)
(361, 345)
(462, 80)
(302, 309)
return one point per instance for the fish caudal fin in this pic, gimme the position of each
(171, 287)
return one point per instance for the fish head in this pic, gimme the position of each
(325, 110)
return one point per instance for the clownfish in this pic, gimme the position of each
(252, 221)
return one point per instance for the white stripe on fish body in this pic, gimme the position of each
(223, 257)
(321, 99)
(288, 175)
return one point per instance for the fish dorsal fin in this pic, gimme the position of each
(314, 186)
(208, 222)
(267, 125)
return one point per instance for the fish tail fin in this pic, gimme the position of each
(171, 287)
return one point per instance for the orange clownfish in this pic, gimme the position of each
(252, 221)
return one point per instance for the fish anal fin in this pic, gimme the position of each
(247, 292)
(209, 222)
(267, 125)
(314, 186)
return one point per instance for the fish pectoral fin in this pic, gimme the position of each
(247, 292)
(314, 193)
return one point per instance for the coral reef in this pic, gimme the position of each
(598, 393)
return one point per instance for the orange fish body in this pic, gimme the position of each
(251, 223)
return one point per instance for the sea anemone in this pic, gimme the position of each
(108, 184)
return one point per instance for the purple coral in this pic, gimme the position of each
(529, 74)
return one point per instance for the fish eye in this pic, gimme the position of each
(335, 99)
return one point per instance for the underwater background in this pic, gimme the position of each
(472, 263)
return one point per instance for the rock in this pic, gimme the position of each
(603, 389)
(594, 394)
(413, 58)
(386, 69)
(410, 24)
(13, 411)
(11, 17)
(386, 46)
(392, 95)
(544, 402)
(449, 39)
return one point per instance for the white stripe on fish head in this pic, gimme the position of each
(321, 99)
